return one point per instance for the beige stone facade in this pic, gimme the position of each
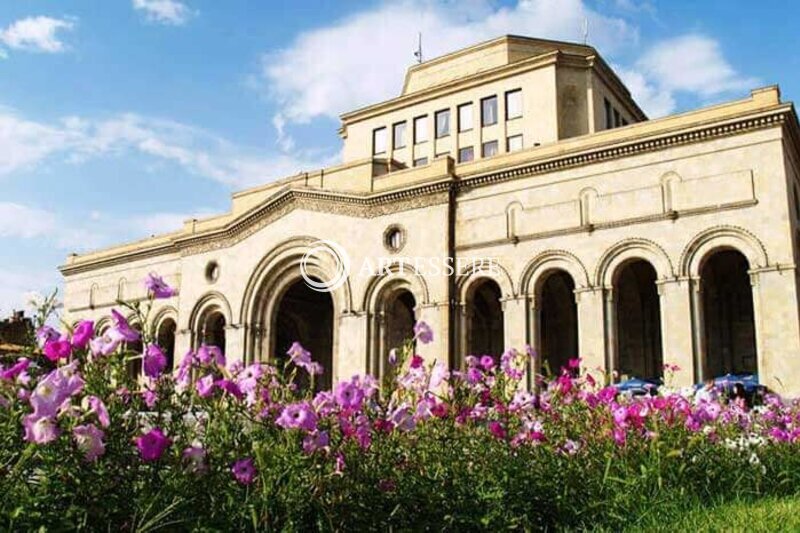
(630, 242)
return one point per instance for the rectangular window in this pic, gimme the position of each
(442, 123)
(420, 130)
(617, 119)
(489, 111)
(513, 104)
(514, 143)
(399, 135)
(609, 115)
(489, 149)
(466, 154)
(624, 122)
(464, 117)
(421, 161)
(379, 141)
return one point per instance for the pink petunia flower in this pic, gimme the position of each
(152, 444)
(82, 334)
(244, 470)
(154, 361)
(423, 332)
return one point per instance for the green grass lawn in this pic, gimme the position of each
(768, 515)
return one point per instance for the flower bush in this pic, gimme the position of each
(220, 444)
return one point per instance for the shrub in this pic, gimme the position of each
(220, 445)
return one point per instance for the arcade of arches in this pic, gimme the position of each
(634, 331)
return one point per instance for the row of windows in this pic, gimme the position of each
(488, 149)
(613, 117)
(442, 122)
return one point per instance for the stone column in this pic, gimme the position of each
(698, 329)
(234, 342)
(183, 343)
(514, 322)
(777, 320)
(351, 350)
(591, 329)
(435, 315)
(676, 328)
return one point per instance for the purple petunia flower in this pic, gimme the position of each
(97, 407)
(244, 470)
(298, 416)
(45, 334)
(348, 395)
(156, 286)
(152, 444)
(122, 329)
(11, 373)
(302, 358)
(40, 429)
(154, 361)
(207, 355)
(82, 334)
(89, 439)
(205, 386)
(423, 332)
(104, 345)
(316, 441)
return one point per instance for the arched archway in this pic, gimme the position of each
(400, 317)
(728, 316)
(637, 321)
(306, 316)
(165, 338)
(557, 314)
(212, 332)
(485, 328)
(134, 349)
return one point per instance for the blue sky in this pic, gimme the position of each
(121, 118)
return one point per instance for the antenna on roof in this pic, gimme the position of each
(418, 52)
(585, 30)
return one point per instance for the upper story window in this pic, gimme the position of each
(466, 154)
(513, 104)
(420, 129)
(379, 141)
(464, 117)
(489, 149)
(514, 143)
(420, 161)
(399, 135)
(489, 111)
(617, 119)
(442, 123)
(609, 114)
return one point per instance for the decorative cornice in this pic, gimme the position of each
(627, 149)
(433, 193)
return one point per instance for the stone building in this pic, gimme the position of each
(629, 241)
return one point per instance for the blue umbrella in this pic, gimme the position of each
(637, 385)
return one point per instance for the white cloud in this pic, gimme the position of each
(692, 63)
(21, 221)
(361, 60)
(163, 11)
(17, 286)
(38, 34)
(25, 143)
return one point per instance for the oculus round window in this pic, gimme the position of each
(212, 272)
(394, 238)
